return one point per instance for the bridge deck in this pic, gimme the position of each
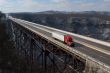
(82, 51)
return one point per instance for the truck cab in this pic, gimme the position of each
(68, 40)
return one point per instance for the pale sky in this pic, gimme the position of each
(57, 5)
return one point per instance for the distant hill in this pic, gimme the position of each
(53, 12)
(102, 15)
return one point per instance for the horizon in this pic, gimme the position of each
(59, 11)
(13, 6)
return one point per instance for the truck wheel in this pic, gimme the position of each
(73, 45)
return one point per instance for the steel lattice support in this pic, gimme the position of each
(43, 56)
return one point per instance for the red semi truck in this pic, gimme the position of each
(64, 38)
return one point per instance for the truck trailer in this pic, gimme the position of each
(67, 39)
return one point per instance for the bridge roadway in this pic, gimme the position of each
(86, 51)
(98, 45)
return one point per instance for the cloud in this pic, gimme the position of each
(61, 5)
(34, 6)
(20, 6)
(2, 2)
(102, 6)
(107, 0)
(60, 0)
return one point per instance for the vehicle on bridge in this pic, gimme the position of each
(67, 39)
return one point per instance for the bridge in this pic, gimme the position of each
(35, 41)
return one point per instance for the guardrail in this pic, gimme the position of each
(100, 44)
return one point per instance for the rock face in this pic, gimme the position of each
(90, 24)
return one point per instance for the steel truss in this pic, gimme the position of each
(46, 57)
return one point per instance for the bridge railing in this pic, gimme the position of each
(99, 45)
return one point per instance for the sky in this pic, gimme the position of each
(8, 6)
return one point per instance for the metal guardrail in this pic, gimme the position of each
(98, 45)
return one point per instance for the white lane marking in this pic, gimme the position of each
(77, 35)
(94, 47)
(90, 46)
(41, 28)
